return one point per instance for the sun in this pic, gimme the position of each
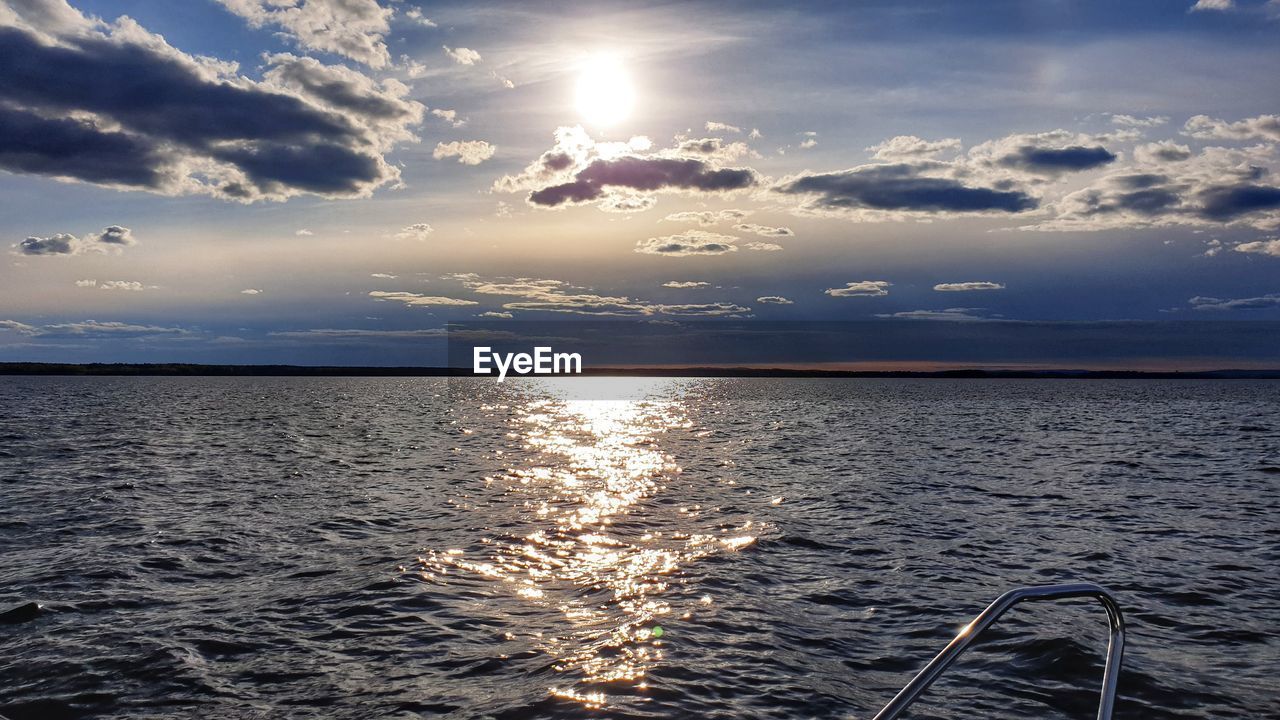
(605, 94)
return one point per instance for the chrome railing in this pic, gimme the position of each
(988, 617)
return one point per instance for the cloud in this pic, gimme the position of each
(967, 286)
(1217, 187)
(350, 28)
(468, 152)
(707, 217)
(1254, 303)
(382, 276)
(1203, 5)
(1263, 127)
(861, 288)
(114, 235)
(763, 246)
(129, 285)
(1135, 121)
(713, 126)
(1165, 151)
(90, 328)
(303, 232)
(358, 333)
(774, 300)
(86, 283)
(578, 170)
(808, 143)
(559, 297)
(763, 230)
(416, 300)
(112, 238)
(685, 284)
(496, 315)
(948, 315)
(415, 14)
(505, 81)
(1048, 154)
(898, 188)
(251, 291)
(908, 147)
(462, 56)
(689, 242)
(645, 174)
(1261, 247)
(190, 125)
(449, 116)
(714, 149)
(416, 231)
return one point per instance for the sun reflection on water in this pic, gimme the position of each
(599, 547)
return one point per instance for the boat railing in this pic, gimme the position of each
(988, 617)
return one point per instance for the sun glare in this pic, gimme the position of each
(605, 95)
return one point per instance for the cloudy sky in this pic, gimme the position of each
(331, 181)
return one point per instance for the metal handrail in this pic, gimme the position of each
(988, 617)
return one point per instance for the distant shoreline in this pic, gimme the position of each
(198, 370)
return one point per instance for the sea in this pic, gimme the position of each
(247, 547)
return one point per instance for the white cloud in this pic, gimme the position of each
(905, 147)
(1135, 121)
(91, 328)
(415, 14)
(351, 28)
(449, 116)
(764, 230)
(111, 239)
(1203, 5)
(707, 217)
(468, 152)
(861, 288)
(496, 315)
(382, 276)
(1263, 127)
(774, 300)
(416, 300)
(416, 231)
(462, 56)
(1270, 247)
(129, 285)
(685, 284)
(303, 233)
(713, 126)
(1253, 303)
(251, 291)
(559, 297)
(763, 246)
(967, 286)
(948, 315)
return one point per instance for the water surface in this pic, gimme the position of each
(356, 548)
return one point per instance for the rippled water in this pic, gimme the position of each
(358, 548)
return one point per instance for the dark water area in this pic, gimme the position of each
(421, 547)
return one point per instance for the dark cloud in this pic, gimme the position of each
(75, 148)
(1230, 202)
(901, 187)
(60, 244)
(1052, 161)
(151, 117)
(646, 174)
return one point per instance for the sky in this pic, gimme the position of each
(334, 181)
